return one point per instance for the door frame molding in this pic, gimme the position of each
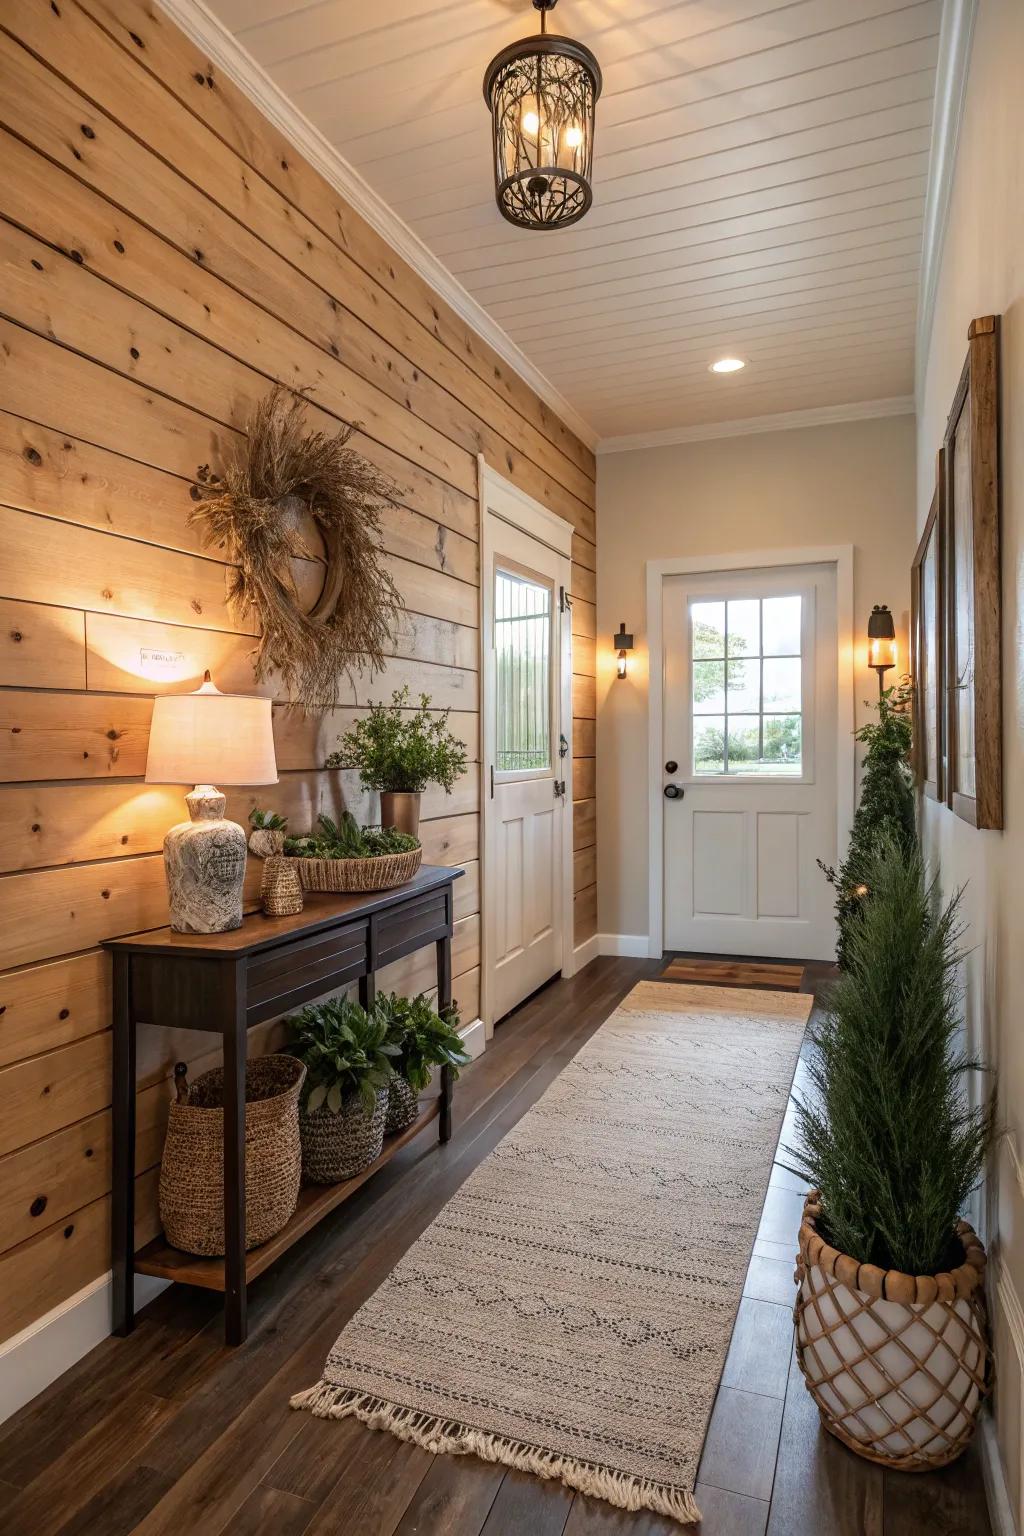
(556, 533)
(838, 555)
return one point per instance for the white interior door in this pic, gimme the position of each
(527, 819)
(749, 766)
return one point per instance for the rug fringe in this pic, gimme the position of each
(449, 1438)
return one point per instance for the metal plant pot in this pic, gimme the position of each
(401, 809)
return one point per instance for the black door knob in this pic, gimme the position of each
(671, 766)
(673, 791)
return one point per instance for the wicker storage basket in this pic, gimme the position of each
(280, 887)
(377, 874)
(898, 1364)
(403, 1105)
(192, 1170)
(336, 1147)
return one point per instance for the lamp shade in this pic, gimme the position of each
(209, 737)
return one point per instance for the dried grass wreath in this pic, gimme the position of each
(254, 511)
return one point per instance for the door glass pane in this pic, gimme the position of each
(746, 683)
(522, 644)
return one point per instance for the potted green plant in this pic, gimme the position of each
(425, 1039)
(348, 1059)
(347, 857)
(398, 751)
(267, 836)
(891, 1332)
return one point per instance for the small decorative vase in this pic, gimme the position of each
(403, 1105)
(280, 887)
(264, 842)
(401, 809)
(336, 1147)
(204, 861)
(899, 1365)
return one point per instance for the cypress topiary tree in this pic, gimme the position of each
(886, 809)
(888, 1135)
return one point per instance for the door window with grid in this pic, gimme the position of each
(522, 642)
(745, 686)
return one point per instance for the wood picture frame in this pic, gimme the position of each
(928, 645)
(973, 664)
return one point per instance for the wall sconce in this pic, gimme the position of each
(623, 643)
(881, 643)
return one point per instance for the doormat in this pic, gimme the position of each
(569, 1310)
(770, 974)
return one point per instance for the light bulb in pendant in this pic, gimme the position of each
(573, 137)
(531, 123)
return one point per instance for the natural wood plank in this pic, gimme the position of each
(584, 778)
(45, 1006)
(742, 1443)
(584, 823)
(47, 1092)
(584, 697)
(584, 737)
(584, 908)
(584, 868)
(52, 912)
(584, 584)
(584, 655)
(584, 618)
(41, 646)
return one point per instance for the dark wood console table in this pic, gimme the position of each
(224, 983)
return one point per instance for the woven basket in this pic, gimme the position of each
(280, 887)
(264, 842)
(192, 1170)
(336, 1147)
(403, 1105)
(377, 874)
(898, 1365)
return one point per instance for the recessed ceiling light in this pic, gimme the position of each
(727, 365)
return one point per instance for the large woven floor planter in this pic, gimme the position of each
(336, 1147)
(898, 1364)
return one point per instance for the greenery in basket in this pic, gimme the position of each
(424, 1038)
(886, 809)
(267, 821)
(396, 750)
(349, 841)
(888, 1134)
(346, 1051)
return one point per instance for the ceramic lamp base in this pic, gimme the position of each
(204, 861)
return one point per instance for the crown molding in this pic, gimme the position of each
(956, 35)
(209, 34)
(783, 421)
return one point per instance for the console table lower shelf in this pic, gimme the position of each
(315, 1201)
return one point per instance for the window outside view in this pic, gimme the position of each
(745, 688)
(522, 642)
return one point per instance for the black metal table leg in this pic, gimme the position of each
(235, 1050)
(123, 1149)
(444, 998)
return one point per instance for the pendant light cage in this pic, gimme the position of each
(541, 92)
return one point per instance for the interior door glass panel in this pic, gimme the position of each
(746, 686)
(523, 614)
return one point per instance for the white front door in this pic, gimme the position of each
(527, 818)
(749, 765)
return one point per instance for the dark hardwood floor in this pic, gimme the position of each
(168, 1432)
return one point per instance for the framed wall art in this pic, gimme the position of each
(973, 666)
(927, 646)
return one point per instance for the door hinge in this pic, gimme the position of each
(559, 788)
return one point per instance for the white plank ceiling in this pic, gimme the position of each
(759, 184)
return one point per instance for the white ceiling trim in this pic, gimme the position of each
(783, 421)
(210, 34)
(955, 38)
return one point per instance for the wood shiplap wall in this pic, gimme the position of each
(166, 255)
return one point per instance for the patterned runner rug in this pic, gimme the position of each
(570, 1309)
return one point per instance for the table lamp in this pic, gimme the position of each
(195, 737)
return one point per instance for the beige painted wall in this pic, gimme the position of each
(983, 273)
(851, 483)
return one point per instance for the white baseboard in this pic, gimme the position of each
(474, 1038)
(634, 945)
(53, 1343)
(585, 952)
(996, 1497)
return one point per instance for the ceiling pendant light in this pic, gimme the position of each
(541, 94)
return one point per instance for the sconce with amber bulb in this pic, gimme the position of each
(623, 643)
(881, 643)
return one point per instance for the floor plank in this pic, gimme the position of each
(742, 1442)
(525, 1503)
(762, 1341)
(268, 1509)
(729, 1514)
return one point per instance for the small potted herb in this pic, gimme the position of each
(398, 750)
(425, 1039)
(267, 835)
(348, 1059)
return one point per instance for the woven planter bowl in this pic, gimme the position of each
(264, 842)
(336, 1147)
(898, 1365)
(377, 874)
(192, 1170)
(403, 1106)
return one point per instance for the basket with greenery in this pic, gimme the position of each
(893, 1144)
(885, 811)
(267, 835)
(347, 857)
(349, 1063)
(400, 750)
(425, 1039)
